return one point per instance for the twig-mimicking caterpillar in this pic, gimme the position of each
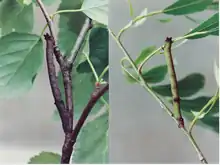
(173, 81)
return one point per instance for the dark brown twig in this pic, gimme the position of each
(70, 139)
(47, 17)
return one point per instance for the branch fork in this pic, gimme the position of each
(66, 109)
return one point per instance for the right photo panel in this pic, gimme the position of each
(164, 81)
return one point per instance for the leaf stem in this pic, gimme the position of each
(103, 73)
(211, 102)
(92, 67)
(136, 20)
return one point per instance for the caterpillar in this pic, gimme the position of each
(173, 81)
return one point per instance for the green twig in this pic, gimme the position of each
(210, 103)
(103, 73)
(136, 20)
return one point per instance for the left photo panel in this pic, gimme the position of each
(54, 90)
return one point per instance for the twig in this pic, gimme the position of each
(173, 81)
(70, 139)
(79, 42)
(47, 17)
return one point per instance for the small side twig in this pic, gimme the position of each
(79, 42)
(47, 17)
(70, 140)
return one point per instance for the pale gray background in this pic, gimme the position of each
(140, 131)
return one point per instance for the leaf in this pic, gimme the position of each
(19, 19)
(187, 86)
(131, 8)
(45, 158)
(68, 29)
(212, 122)
(24, 2)
(131, 77)
(142, 20)
(182, 7)
(209, 121)
(97, 10)
(21, 57)
(197, 104)
(214, 6)
(83, 86)
(144, 54)
(92, 144)
(155, 75)
(165, 20)
(98, 47)
(211, 26)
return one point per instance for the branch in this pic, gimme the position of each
(70, 139)
(79, 42)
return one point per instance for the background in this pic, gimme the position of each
(140, 130)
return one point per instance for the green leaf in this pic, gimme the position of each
(98, 47)
(182, 7)
(144, 54)
(24, 2)
(211, 26)
(165, 20)
(214, 6)
(68, 29)
(187, 86)
(142, 20)
(92, 144)
(155, 75)
(209, 121)
(197, 104)
(97, 10)
(131, 77)
(212, 122)
(45, 158)
(21, 57)
(131, 8)
(19, 19)
(83, 86)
